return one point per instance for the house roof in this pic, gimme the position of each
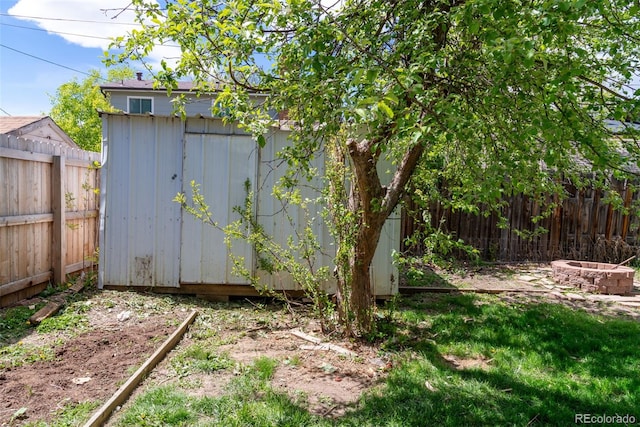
(38, 128)
(135, 84)
(8, 124)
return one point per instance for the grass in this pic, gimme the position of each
(547, 363)
(249, 401)
(15, 326)
(458, 360)
(69, 415)
(200, 358)
(526, 364)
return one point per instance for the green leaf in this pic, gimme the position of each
(474, 27)
(385, 109)
(261, 141)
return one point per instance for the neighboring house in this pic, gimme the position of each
(139, 96)
(35, 128)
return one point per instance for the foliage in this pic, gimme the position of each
(199, 358)
(72, 318)
(14, 323)
(297, 259)
(75, 107)
(484, 99)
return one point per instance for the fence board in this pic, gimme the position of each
(582, 227)
(29, 254)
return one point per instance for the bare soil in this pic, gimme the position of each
(125, 328)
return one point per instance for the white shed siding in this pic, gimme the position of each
(220, 164)
(146, 239)
(140, 225)
(271, 214)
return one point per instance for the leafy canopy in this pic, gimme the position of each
(484, 96)
(76, 103)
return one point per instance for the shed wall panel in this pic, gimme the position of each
(220, 165)
(140, 232)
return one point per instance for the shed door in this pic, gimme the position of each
(221, 164)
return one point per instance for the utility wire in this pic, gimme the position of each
(55, 32)
(49, 62)
(74, 34)
(4, 111)
(67, 20)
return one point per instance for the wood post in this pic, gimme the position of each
(58, 249)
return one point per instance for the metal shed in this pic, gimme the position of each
(147, 240)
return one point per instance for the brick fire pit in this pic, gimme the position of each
(595, 277)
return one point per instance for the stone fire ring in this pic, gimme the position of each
(595, 277)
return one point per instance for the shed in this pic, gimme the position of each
(147, 240)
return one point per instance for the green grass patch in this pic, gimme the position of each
(541, 364)
(14, 324)
(457, 360)
(72, 318)
(75, 414)
(250, 401)
(200, 357)
(19, 354)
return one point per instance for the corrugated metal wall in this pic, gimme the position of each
(147, 241)
(139, 223)
(220, 164)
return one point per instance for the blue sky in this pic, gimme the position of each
(27, 82)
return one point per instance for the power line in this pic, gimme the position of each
(4, 111)
(74, 34)
(42, 18)
(47, 61)
(55, 32)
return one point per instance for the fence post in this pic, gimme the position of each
(59, 207)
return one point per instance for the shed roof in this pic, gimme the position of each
(135, 84)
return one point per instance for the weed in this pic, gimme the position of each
(70, 414)
(71, 319)
(14, 323)
(293, 360)
(265, 367)
(197, 357)
(19, 354)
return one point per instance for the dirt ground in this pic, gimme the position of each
(92, 364)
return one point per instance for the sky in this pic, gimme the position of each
(45, 43)
(36, 58)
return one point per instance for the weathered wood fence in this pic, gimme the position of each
(48, 215)
(584, 226)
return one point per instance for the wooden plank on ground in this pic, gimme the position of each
(125, 390)
(319, 345)
(410, 290)
(47, 311)
(78, 286)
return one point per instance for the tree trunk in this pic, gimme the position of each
(373, 204)
(362, 298)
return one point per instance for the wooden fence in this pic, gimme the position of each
(48, 215)
(584, 226)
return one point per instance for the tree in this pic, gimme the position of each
(76, 103)
(487, 96)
